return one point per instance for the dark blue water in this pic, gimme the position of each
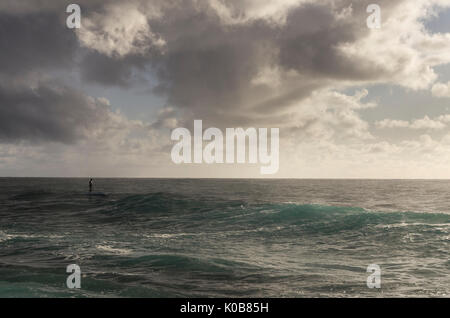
(224, 238)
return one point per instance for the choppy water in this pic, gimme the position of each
(224, 238)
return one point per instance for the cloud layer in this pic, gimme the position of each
(304, 66)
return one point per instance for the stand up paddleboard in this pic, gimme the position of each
(96, 194)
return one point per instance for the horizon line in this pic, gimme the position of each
(229, 178)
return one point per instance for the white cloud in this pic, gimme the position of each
(425, 123)
(441, 90)
(328, 115)
(392, 123)
(123, 29)
(402, 52)
(237, 12)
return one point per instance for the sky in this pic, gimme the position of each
(102, 100)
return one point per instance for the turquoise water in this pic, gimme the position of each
(224, 238)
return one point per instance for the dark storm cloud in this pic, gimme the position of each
(215, 67)
(308, 43)
(48, 112)
(24, 7)
(207, 66)
(109, 71)
(36, 41)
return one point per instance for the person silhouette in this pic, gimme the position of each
(90, 185)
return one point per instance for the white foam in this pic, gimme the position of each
(110, 249)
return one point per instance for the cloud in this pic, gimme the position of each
(223, 58)
(49, 112)
(35, 41)
(392, 123)
(230, 61)
(250, 69)
(402, 52)
(120, 30)
(329, 116)
(288, 64)
(425, 123)
(441, 90)
(109, 71)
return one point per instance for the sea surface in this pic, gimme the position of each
(224, 238)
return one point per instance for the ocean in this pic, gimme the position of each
(224, 238)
